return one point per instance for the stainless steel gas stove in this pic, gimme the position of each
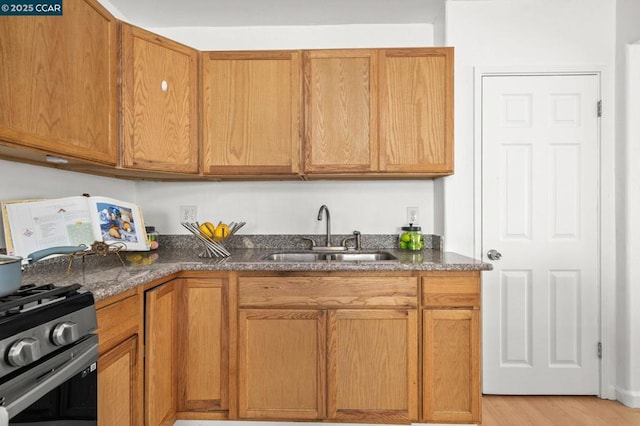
(48, 364)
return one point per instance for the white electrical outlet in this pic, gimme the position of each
(188, 214)
(412, 214)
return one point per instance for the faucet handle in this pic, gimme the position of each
(347, 239)
(356, 239)
(313, 242)
(358, 236)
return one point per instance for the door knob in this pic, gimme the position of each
(494, 254)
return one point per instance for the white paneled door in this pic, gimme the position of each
(540, 183)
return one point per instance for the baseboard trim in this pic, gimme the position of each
(273, 423)
(629, 398)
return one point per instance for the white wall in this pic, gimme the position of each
(530, 36)
(371, 207)
(628, 200)
(23, 181)
(525, 35)
(298, 37)
(628, 385)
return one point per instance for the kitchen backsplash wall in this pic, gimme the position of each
(291, 207)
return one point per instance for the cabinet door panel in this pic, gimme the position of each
(203, 357)
(328, 291)
(160, 344)
(117, 321)
(251, 105)
(118, 385)
(451, 289)
(160, 103)
(58, 82)
(372, 365)
(451, 369)
(340, 111)
(416, 110)
(281, 364)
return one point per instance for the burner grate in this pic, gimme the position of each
(31, 294)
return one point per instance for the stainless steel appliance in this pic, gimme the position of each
(48, 356)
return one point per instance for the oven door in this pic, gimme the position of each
(60, 390)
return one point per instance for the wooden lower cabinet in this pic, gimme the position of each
(451, 361)
(373, 365)
(281, 363)
(120, 360)
(451, 366)
(160, 354)
(117, 385)
(377, 348)
(203, 372)
(365, 361)
(337, 347)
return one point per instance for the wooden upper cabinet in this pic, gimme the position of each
(416, 111)
(251, 105)
(160, 103)
(59, 82)
(340, 111)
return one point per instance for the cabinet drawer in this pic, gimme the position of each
(451, 289)
(327, 292)
(117, 321)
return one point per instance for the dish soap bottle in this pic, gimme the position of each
(152, 237)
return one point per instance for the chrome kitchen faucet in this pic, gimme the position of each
(326, 210)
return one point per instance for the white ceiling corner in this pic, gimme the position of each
(250, 13)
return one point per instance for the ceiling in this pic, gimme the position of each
(242, 13)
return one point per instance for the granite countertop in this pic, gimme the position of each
(106, 276)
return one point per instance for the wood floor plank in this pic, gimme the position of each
(500, 410)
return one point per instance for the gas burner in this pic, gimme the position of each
(30, 297)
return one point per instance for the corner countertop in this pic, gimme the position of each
(106, 276)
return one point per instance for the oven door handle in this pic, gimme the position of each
(77, 359)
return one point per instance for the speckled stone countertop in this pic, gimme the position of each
(105, 276)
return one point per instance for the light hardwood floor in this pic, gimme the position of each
(556, 411)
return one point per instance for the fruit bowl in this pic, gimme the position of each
(213, 242)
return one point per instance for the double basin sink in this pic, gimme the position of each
(348, 256)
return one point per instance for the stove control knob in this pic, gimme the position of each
(65, 333)
(24, 351)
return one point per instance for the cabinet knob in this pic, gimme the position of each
(164, 85)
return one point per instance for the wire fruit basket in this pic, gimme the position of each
(213, 247)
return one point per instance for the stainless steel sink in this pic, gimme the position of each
(295, 257)
(363, 256)
(377, 256)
